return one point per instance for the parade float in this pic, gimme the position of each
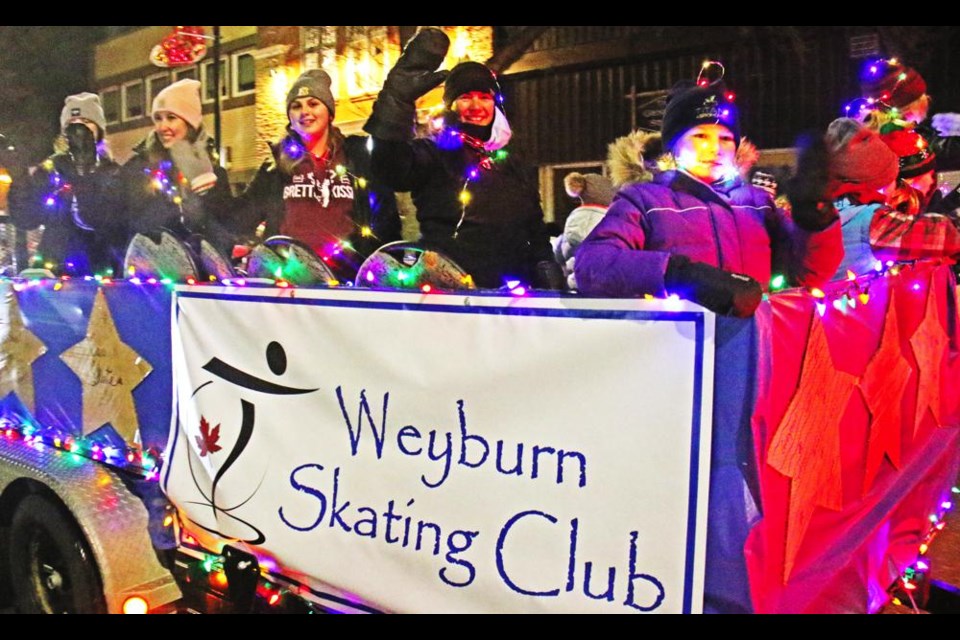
(259, 446)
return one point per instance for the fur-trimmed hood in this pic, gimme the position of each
(633, 158)
(639, 156)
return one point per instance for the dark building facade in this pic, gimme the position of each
(571, 90)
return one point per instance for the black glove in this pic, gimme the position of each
(416, 71)
(719, 291)
(413, 76)
(807, 189)
(549, 275)
(82, 146)
(946, 204)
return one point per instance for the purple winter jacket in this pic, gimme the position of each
(738, 229)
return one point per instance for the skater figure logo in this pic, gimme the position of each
(218, 431)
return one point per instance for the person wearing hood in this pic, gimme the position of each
(475, 200)
(864, 175)
(71, 195)
(318, 188)
(172, 181)
(699, 231)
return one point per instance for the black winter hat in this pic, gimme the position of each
(690, 105)
(467, 77)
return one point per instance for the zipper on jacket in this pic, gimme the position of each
(716, 236)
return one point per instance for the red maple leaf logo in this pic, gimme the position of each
(207, 440)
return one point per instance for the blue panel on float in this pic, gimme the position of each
(59, 319)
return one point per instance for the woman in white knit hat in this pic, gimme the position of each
(172, 181)
(71, 194)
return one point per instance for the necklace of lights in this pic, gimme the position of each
(63, 190)
(452, 138)
(165, 183)
(295, 150)
(62, 193)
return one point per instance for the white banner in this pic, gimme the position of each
(416, 453)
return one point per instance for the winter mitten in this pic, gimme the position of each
(947, 125)
(719, 291)
(413, 76)
(549, 275)
(194, 163)
(807, 189)
(83, 147)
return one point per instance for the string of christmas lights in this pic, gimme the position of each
(166, 184)
(915, 575)
(846, 294)
(128, 458)
(859, 107)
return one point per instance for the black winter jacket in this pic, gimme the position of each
(375, 206)
(82, 217)
(151, 207)
(498, 234)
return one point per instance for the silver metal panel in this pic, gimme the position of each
(113, 520)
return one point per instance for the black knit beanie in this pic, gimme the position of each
(690, 105)
(467, 77)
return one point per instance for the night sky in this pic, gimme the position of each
(39, 67)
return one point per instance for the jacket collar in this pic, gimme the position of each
(684, 183)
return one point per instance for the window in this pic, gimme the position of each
(208, 94)
(557, 204)
(188, 72)
(110, 99)
(156, 84)
(133, 100)
(243, 73)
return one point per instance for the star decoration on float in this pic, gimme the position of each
(929, 344)
(883, 384)
(806, 445)
(19, 348)
(109, 371)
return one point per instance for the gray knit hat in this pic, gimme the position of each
(316, 83)
(83, 105)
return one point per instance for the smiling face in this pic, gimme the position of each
(309, 118)
(169, 127)
(708, 152)
(475, 107)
